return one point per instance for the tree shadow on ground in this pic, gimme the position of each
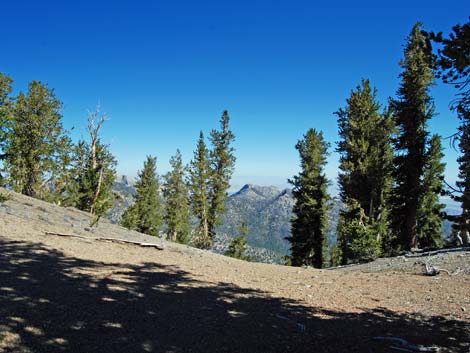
(54, 303)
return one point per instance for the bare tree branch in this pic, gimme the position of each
(459, 190)
(96, 120)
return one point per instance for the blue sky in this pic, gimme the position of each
(163, 70)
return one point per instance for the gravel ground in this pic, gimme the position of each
(451, 263)
(63, 294)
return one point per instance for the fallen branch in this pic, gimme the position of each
(145, 245)
(405, 346)
(70, 235)
(343, 266)
(431, 270)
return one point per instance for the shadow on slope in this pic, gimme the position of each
(50, 302)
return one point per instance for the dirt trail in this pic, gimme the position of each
(78, 295)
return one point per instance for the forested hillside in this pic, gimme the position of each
(267, 211)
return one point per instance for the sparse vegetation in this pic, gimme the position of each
(73, 281)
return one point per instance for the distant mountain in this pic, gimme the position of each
(125, 180)
(124, 193)
(267, 211)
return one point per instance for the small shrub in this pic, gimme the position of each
(4, 197)
(237, 248)
(364, 245)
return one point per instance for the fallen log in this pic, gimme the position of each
(115, 240)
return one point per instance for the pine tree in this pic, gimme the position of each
(199, 184)
(462, 222)
(453, 62)
(222, 165)
(308, 232)
(6, 104)
(365, 172)
(175, 192)
(145, 214)
(237, 248)
(412, 110)
(356, 227)
(35, 142)
(238, 245)
(430, 213)
(59, 178)
(243, 228)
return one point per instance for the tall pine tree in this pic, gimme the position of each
(462, 222)
(454, 68)
(308, 232)
(365, 174)
(145, 214)
(35, 142)
(6, 104)
(175, 191)
(222, 165)
(199, 184)
(412, 109)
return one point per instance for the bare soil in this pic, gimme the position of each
(64, 294)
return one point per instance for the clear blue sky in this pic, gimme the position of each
(163, 70)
